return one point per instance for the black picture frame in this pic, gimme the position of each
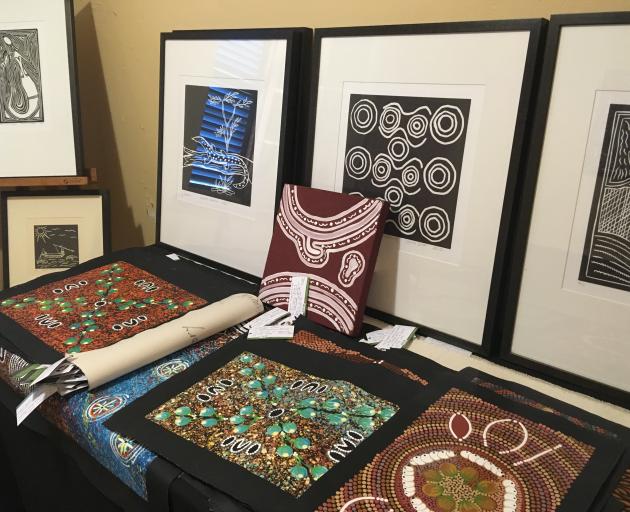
(292, 142)
(522, 219)
(74, 98)
(5, 197)
(537, 29)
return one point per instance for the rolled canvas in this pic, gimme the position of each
(106, 364)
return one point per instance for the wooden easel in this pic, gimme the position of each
(90, 176)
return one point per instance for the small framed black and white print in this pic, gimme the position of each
(229, 139)
(46, 232)
(568, 313)
(431, 118)
(39, 112)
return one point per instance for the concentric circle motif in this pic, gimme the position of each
(417, 125)
(105, 406)
(407, 219)
(358, 162)
(170, 368)
(394, 196)
(434, 224)
(382, 168)
(410, 176)
(389, 120)
(447, 124)
(126, 450)
(398, 148)
(364, 116)
(439, 176)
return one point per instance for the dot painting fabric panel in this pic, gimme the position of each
(334, 239)
(99, 307)
(618, 483)
(275, 422)
(313, 342)
(465, 454)
(281, 424)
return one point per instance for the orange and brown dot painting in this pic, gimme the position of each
(99, 307)
(467, 455)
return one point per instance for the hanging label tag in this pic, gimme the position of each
(298, 296)
(268, 318)
(33, 401)
(271, 332)
(173, 256)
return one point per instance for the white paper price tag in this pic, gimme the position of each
(397, 337)
(298, 295)
(33, 401)
(268, 318)
(271, 332)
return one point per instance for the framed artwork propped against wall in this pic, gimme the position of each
(568, 296)
(40, 133)
(46, 232)
(432, 119)
(228, 140)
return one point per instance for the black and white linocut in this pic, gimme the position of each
(20, 77)
(606, 257)
(219, 128)
(56, 246)
(408, 151)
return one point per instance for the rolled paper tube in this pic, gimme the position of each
(106, 364)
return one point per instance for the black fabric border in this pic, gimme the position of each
(258, 493)
(100, 477)
(585, 490)
(622, 433)
(236, 481)
(403, 358)
(207, 283)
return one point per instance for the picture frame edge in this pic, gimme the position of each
(537, 28)
(522, 221)
(291, 157)
(5, 195)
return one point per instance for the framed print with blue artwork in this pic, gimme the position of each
(228, 140)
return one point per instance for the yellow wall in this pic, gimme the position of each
(118, 57)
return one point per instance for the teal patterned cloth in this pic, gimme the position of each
(82, 415)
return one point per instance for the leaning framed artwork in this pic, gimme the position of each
(568, 297)
(46, 232)
(228, 140)
(435, 126)
(40, 133)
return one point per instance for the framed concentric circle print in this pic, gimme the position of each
(431, 118)
(229, 107)
(568, 302)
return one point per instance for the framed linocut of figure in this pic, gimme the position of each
(46, 232)
(39, 111)
(434, 125)
(569, 311)
(228, 134)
